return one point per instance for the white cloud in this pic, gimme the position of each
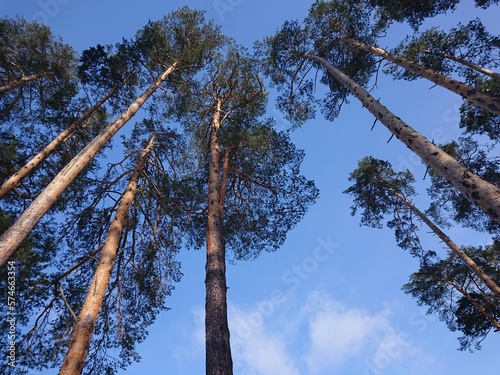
(338, 333)
(396, 352)
(192, 346)
(322, 336)
(256, 350)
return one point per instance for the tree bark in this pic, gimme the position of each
(14, 180)
(11, 239)
(20, 82)
(218, 350)
(82, 334)
(479, 191)
(489, 103)
(452, 245)
(468, 64)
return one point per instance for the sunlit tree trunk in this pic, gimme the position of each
(14, 180)
(469, 93)
(20, 82)
(481, 192)
(452, 245)
(468, 64)
(82, 334)
(218, 350)
(11, 239)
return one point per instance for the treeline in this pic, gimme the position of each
(95, 243)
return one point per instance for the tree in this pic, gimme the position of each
(482, 193)
(416, 12)
(16, 178)
(380, 191)
(83, 331)
(463, 49)
(452, 291)
(287, 61)
(37, 71)
(143, 273)
(145, 267)
(487, 102)
(467, 50)
(99, 71)
(32, 111)
(82, 334)
(172, 52)
(11, 239)
(447, 203)
(476, 120)
(255, 193)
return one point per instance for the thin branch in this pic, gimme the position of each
(67, 304)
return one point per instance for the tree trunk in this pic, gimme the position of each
(11, 239)
(468, 64)
(476, 304)
(21, 81)
(452, 245)
(82, 334)
(218, 350)
(14, 180)
(482, 193)
(489, 103)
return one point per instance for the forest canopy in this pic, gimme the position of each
(118, 159)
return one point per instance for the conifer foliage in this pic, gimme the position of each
(95, 229)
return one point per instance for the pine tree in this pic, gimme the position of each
(82, 334)
(379, 191)
(452, 291)
(255, 193)
(287, 54)
(165, 48)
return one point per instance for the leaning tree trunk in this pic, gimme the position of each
(468, 64)
(492, 285)
(20, 82)
(82, 334)
(479, 191)
(489, 103)
(476, 304)
(14, 180)
(218, 350)
(11, 239)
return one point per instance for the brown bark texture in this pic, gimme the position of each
(482, 193)
(489, 103)
(218, 350)
(81, 337)
(13, 237)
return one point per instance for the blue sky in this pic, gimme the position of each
(330, 300)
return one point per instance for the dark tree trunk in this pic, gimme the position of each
(218, 350)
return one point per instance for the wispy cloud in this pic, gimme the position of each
(264, 352)
(320, 336)
(338, 333)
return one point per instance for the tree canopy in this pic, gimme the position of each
(95, 226)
